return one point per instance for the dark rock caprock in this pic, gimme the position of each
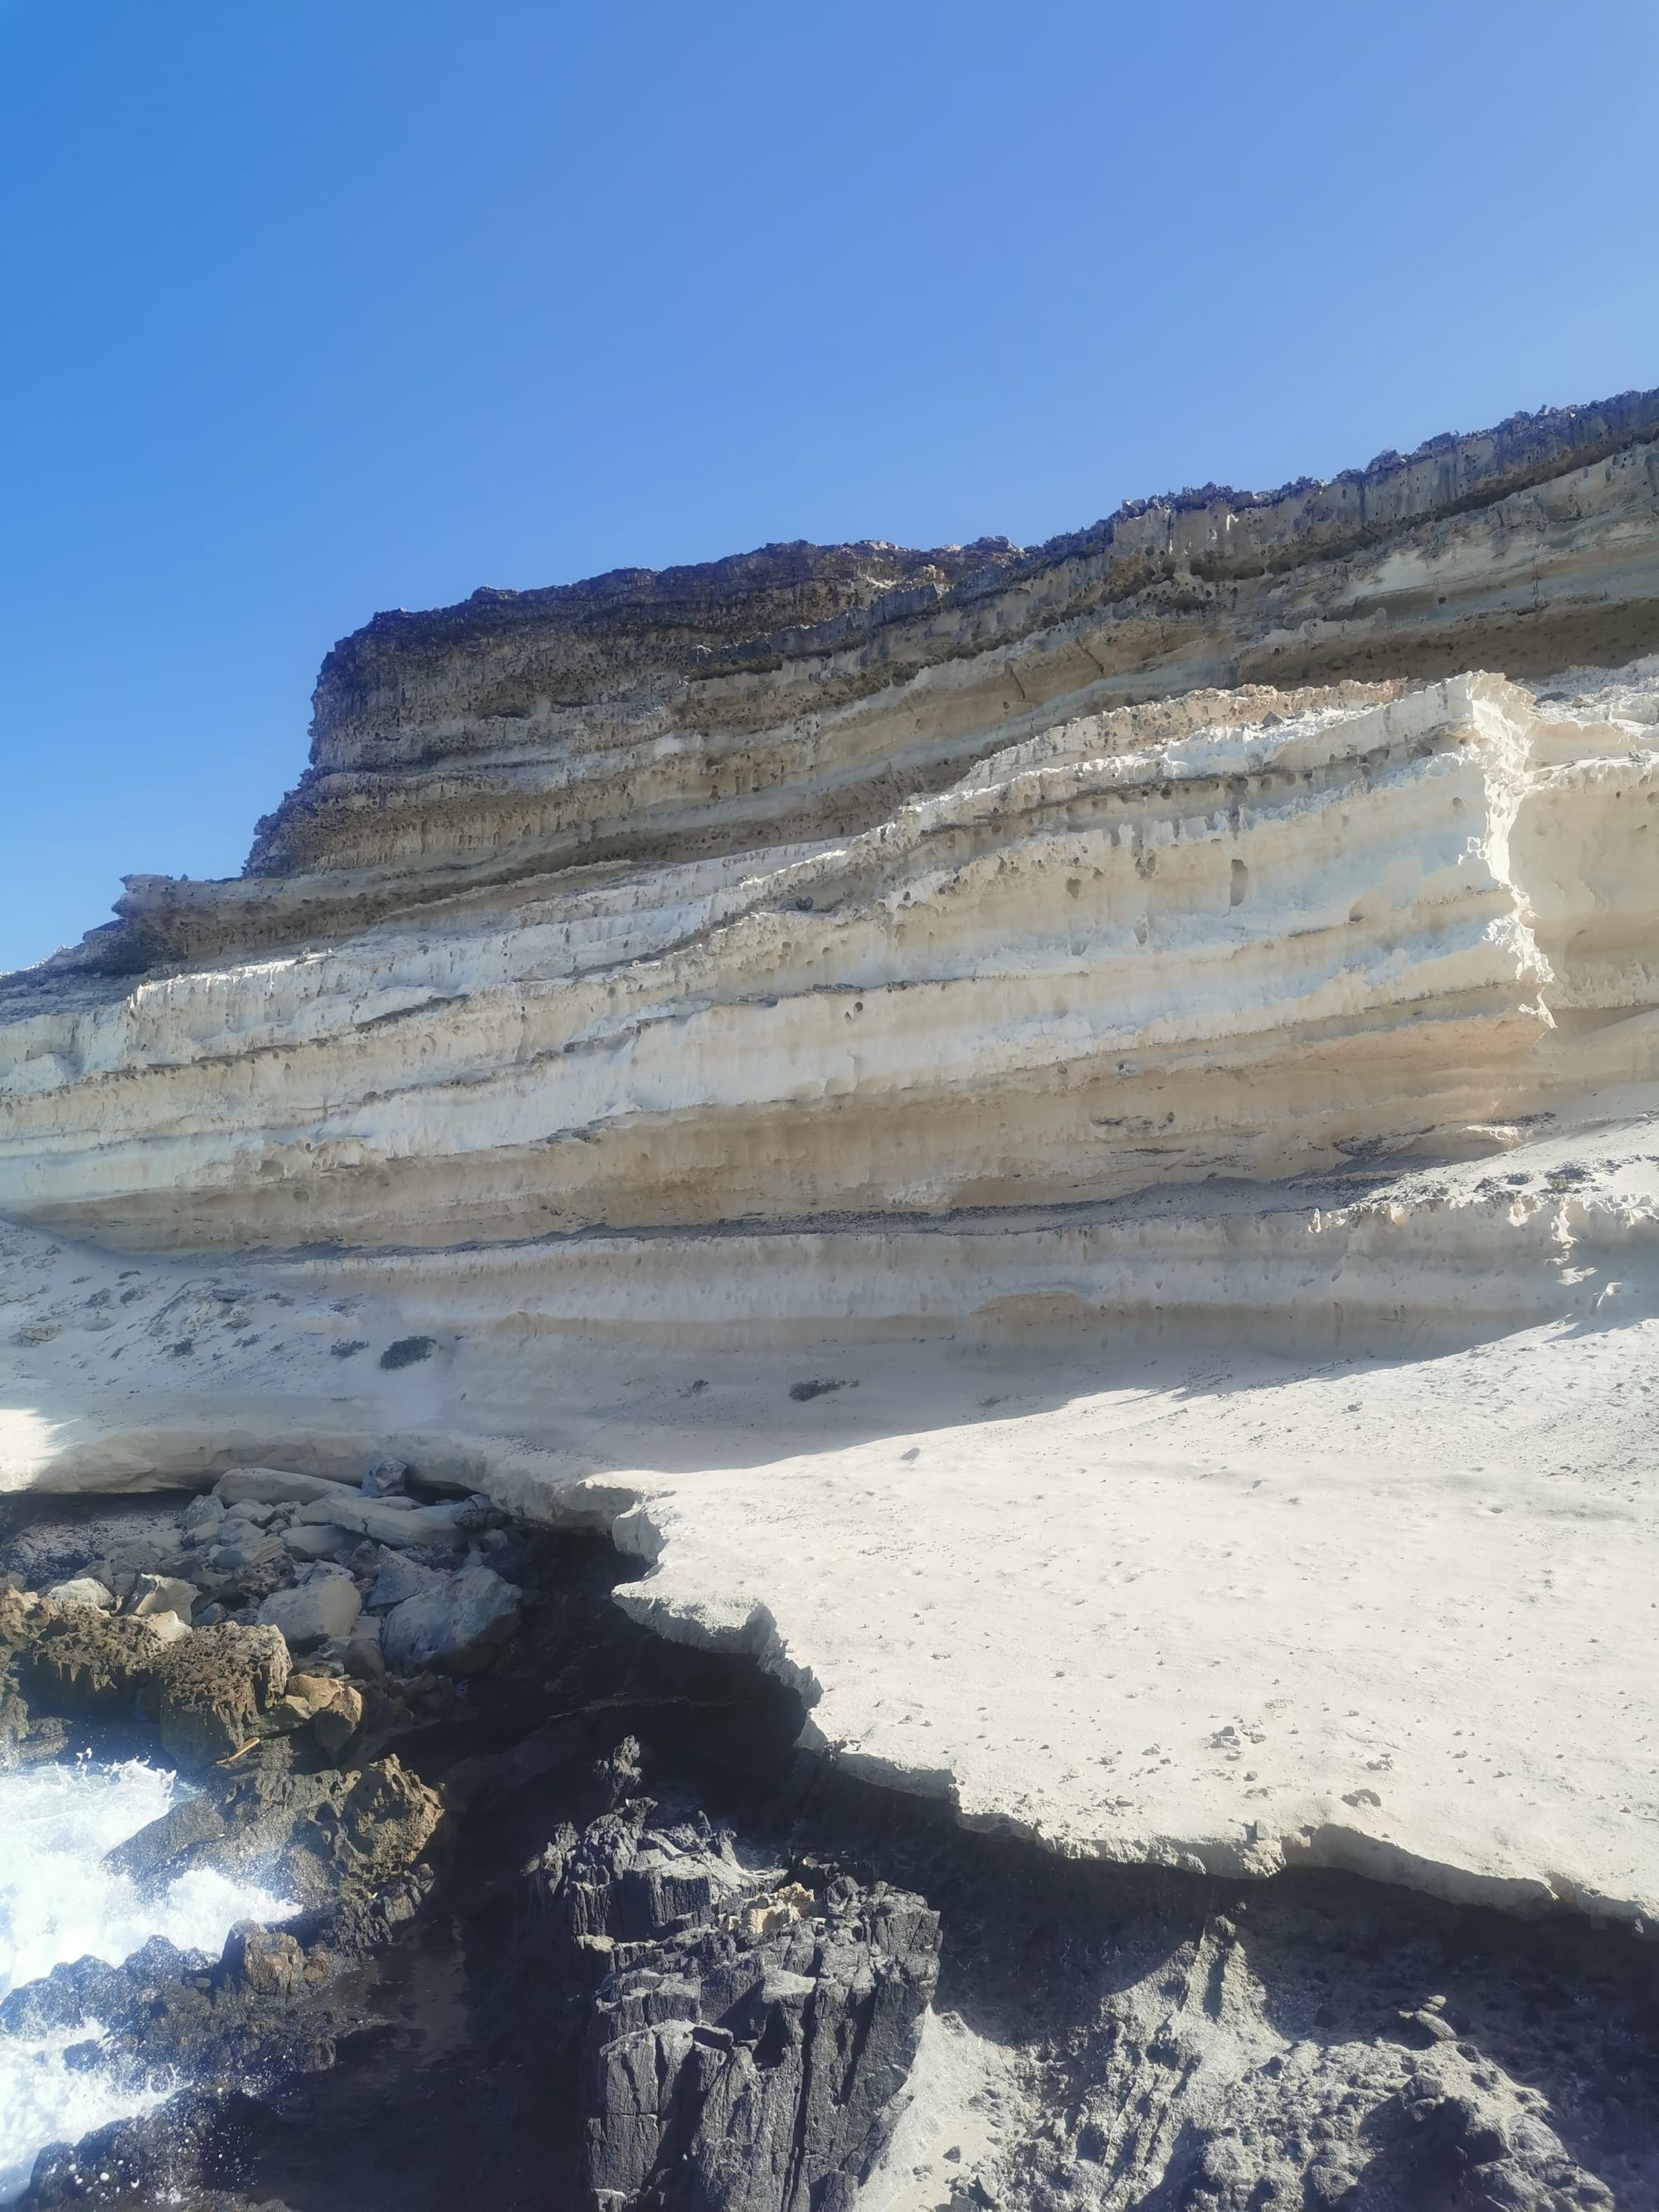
(749, 2034)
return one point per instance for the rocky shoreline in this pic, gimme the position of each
(303, 1696)
(579, 1925)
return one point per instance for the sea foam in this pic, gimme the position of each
(60, 1902)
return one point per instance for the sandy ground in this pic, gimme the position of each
(1392, 1609)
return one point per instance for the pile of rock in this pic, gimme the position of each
(229, 1636)
(365, 1577)
(194, 1626)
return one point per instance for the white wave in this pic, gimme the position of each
(43, 2102)
(60, 1902)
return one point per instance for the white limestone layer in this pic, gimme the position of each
(1233, 936)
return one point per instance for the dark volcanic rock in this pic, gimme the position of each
(214, 1686)
(78, 1661)
(323, 1836)
(745, 2046)
(458, 1625)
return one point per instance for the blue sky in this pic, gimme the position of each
(325, 306)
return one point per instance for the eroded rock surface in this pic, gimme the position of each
(751, 2036)
(797, 691)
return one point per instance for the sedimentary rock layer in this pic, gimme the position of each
(803, 691)
(1245, 935)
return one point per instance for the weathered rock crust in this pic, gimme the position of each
(801, 691)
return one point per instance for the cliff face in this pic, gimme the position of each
(805, 691)
(785, 684)
(1240, 935)
(853, 879)
(1234, 927)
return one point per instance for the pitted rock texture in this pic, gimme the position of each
(749, 2040)
(322, 1836)
(208, 1692)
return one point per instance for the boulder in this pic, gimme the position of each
(386, 1477)
(401, 1578)
(215, 1687)
(388, 1520)
(320, 1540)
(250, 1548)
(259, 1512)
(201, 1518)
(142, 1555)
(274, 1486)
(165, 1628)
(324, 1602)
(313, 1690)
(332, 1708)
(337, 1721)
(361, 1654)
(457, 1629)
(162, 1593)
(266, 1960)
(82, 1589)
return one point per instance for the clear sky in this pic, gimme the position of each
(316, 306)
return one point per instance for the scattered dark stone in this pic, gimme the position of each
(801, 1392)
(347, 1347)
(408, 1350)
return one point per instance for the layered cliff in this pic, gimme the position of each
(805, 691)
(820, 881)
(1172, 967)
(1247, 934)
